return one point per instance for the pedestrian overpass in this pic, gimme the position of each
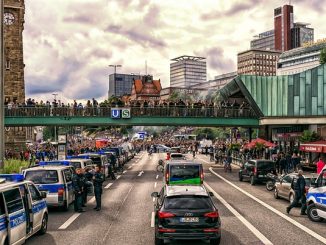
(201, 117)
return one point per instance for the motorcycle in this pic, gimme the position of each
(227, 167)
(270, 184)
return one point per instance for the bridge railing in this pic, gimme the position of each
(135, 112)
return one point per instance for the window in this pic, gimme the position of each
(76, 164)
(2, 205)
(42, 176)
(68, 175)
(13, 200)
(187, 202)
(34, 193)
(287, 179)
(7, 64)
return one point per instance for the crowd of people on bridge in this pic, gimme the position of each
(206, 108)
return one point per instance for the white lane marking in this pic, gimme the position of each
(253, 229)
(155, 184)
(91, 200)
(66, 224)
(125, 171)
(156, 176)
(129, 167)
(140, 173)
(108, 186)
(118, 177)
(153, 220)
(292, 221)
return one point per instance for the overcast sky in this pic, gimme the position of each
(69, 44)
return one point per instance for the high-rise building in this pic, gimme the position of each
(264, 41)
(217, 83)
(121, 84)
(187, 71)
(301, 34)
(283, 23)
(258, 62)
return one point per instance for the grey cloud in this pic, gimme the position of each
(82, 19)
(317, 5)
(152, 17)
(216, 59)
(140, 37)
(233, 10)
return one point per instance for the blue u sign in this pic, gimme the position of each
(115, 113)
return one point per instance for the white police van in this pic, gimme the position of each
(55, 178)
(98, 160)
(81, 163)
(316, 198)
(23, 209)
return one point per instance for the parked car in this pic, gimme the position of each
(257, 170)
(283, 186)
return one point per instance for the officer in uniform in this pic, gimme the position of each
(87, 177)
(98, 180)
(78, 185)
(299, 187)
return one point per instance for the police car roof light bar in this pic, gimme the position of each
(12, 177)
(51, 163)
(77, 157)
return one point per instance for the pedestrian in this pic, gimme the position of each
(98, 180)
(283, 165)
(320, 165)
(299, 187)
(87, 178)
(78, 185)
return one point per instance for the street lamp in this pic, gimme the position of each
(55, 127)
(2, 120)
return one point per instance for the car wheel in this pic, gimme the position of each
(276, 194)
(65, 206)
(270, 185)
(240, 177)
(252, 180)
(312, 213)
(291, 198)
(215, 241)
(44, 226)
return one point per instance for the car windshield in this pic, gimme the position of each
(177, 156)
(96, 160)
(42, 176)
(185, 174)
(310, 180)
(76, 164)
(187, 202)
(265, 165)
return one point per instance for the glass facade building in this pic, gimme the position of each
(301, 34)
(187, 71)
(121, 84)
(264, 41)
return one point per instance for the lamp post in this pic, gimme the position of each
(2, 124)
(115, 72)
(55, 127)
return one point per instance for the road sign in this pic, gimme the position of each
(125, 112)
(115, 113)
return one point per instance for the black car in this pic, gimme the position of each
(186, 213)
(257, 170)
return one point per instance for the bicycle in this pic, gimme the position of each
(160, 166)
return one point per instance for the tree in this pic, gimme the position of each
(309, 136)
(323, 56)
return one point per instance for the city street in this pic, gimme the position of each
(249, 214)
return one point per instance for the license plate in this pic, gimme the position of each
(189, 220)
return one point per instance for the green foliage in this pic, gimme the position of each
(259, 146)
(48, 133)
(13, 166)
(323, 56)
(235, 147)
(309, 136)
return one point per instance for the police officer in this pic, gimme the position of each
(88, 176)
(98, 180)
(78, 185)
(299, 187)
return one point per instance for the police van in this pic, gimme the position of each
(81, 163)
(23, 209)
(98, 159)
(316, 198)
(55, 178)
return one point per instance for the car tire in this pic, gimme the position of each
(65, 206)
(44, 226)
(276, 196)
(240, 177)
(215, 241)
(252, 180)
(158, 241)
(312, 213)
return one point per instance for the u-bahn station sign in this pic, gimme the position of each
(117, 113)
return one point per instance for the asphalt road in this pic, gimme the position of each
(249, 214)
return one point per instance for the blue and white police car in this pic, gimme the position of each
(316, 198)
(23, 209)
(55, 178)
